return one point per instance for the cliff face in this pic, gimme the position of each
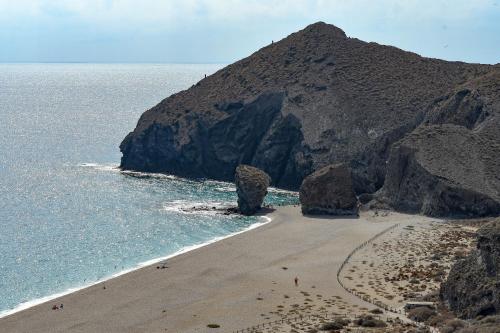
(450, 164)
(255, 133)
(314, 98)
(443, 171)
(473, 285)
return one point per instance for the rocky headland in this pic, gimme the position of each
(419, 134)
(449, 165)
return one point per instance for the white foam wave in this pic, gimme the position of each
(102, 167)
(29, 304)
(196, 208)
(92, 165)
(219, 185)
(226, 189)
(148, 174)
(278, 190)
(116, 168)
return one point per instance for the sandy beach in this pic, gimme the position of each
(407, 263)
(235, 283)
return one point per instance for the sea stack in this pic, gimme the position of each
(251, 187)
(473, 285)
(329, 191)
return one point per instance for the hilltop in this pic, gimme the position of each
(314, 98)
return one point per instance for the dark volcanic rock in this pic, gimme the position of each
(255, 133)
(329, 191)
(450, 164)
(443, 170)
(251, 187)
(314, 98)
(473, 285)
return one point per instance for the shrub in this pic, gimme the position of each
(369, 321)
(331, 326)
(337, 324)
(421, 314)
(213, 325)
(455, 323)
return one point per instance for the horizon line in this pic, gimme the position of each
(115, 62)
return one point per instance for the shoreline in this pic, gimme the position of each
(237, 282)
(45, 299)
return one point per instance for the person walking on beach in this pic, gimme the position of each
(296, 280)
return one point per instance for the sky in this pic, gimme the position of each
(223, 31)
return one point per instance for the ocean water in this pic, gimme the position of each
(68, 216)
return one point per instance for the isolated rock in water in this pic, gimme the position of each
(443, 170)
(473, 285)
(251, 187)
(315, 98)
(329, 191)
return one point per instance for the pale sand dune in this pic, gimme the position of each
(236, 283)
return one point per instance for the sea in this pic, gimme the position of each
(69, 218)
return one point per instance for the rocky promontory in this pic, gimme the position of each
(329, 191)
(251, 187)
(473, 285)
(319, 97)
(449, 165)
(444, 170)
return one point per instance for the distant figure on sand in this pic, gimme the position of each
(296, 281)
(61, 307)
(55, 307)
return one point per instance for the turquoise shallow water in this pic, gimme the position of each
(68, 217)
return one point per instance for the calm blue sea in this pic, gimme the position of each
(68, 217)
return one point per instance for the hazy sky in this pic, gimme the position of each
(225, 30)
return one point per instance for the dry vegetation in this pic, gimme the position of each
(409, 262)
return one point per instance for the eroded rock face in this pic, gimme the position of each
(253, 133)
(426, 130)
(251, 187)
(314, 98)
(449, 164)
(443, 170)
(473, 285)
(329, 191)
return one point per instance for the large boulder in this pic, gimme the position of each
(473, 285)
(251, 187)
(329, 191)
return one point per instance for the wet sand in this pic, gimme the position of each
(236, 283)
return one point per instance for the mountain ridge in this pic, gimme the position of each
(313, 98)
